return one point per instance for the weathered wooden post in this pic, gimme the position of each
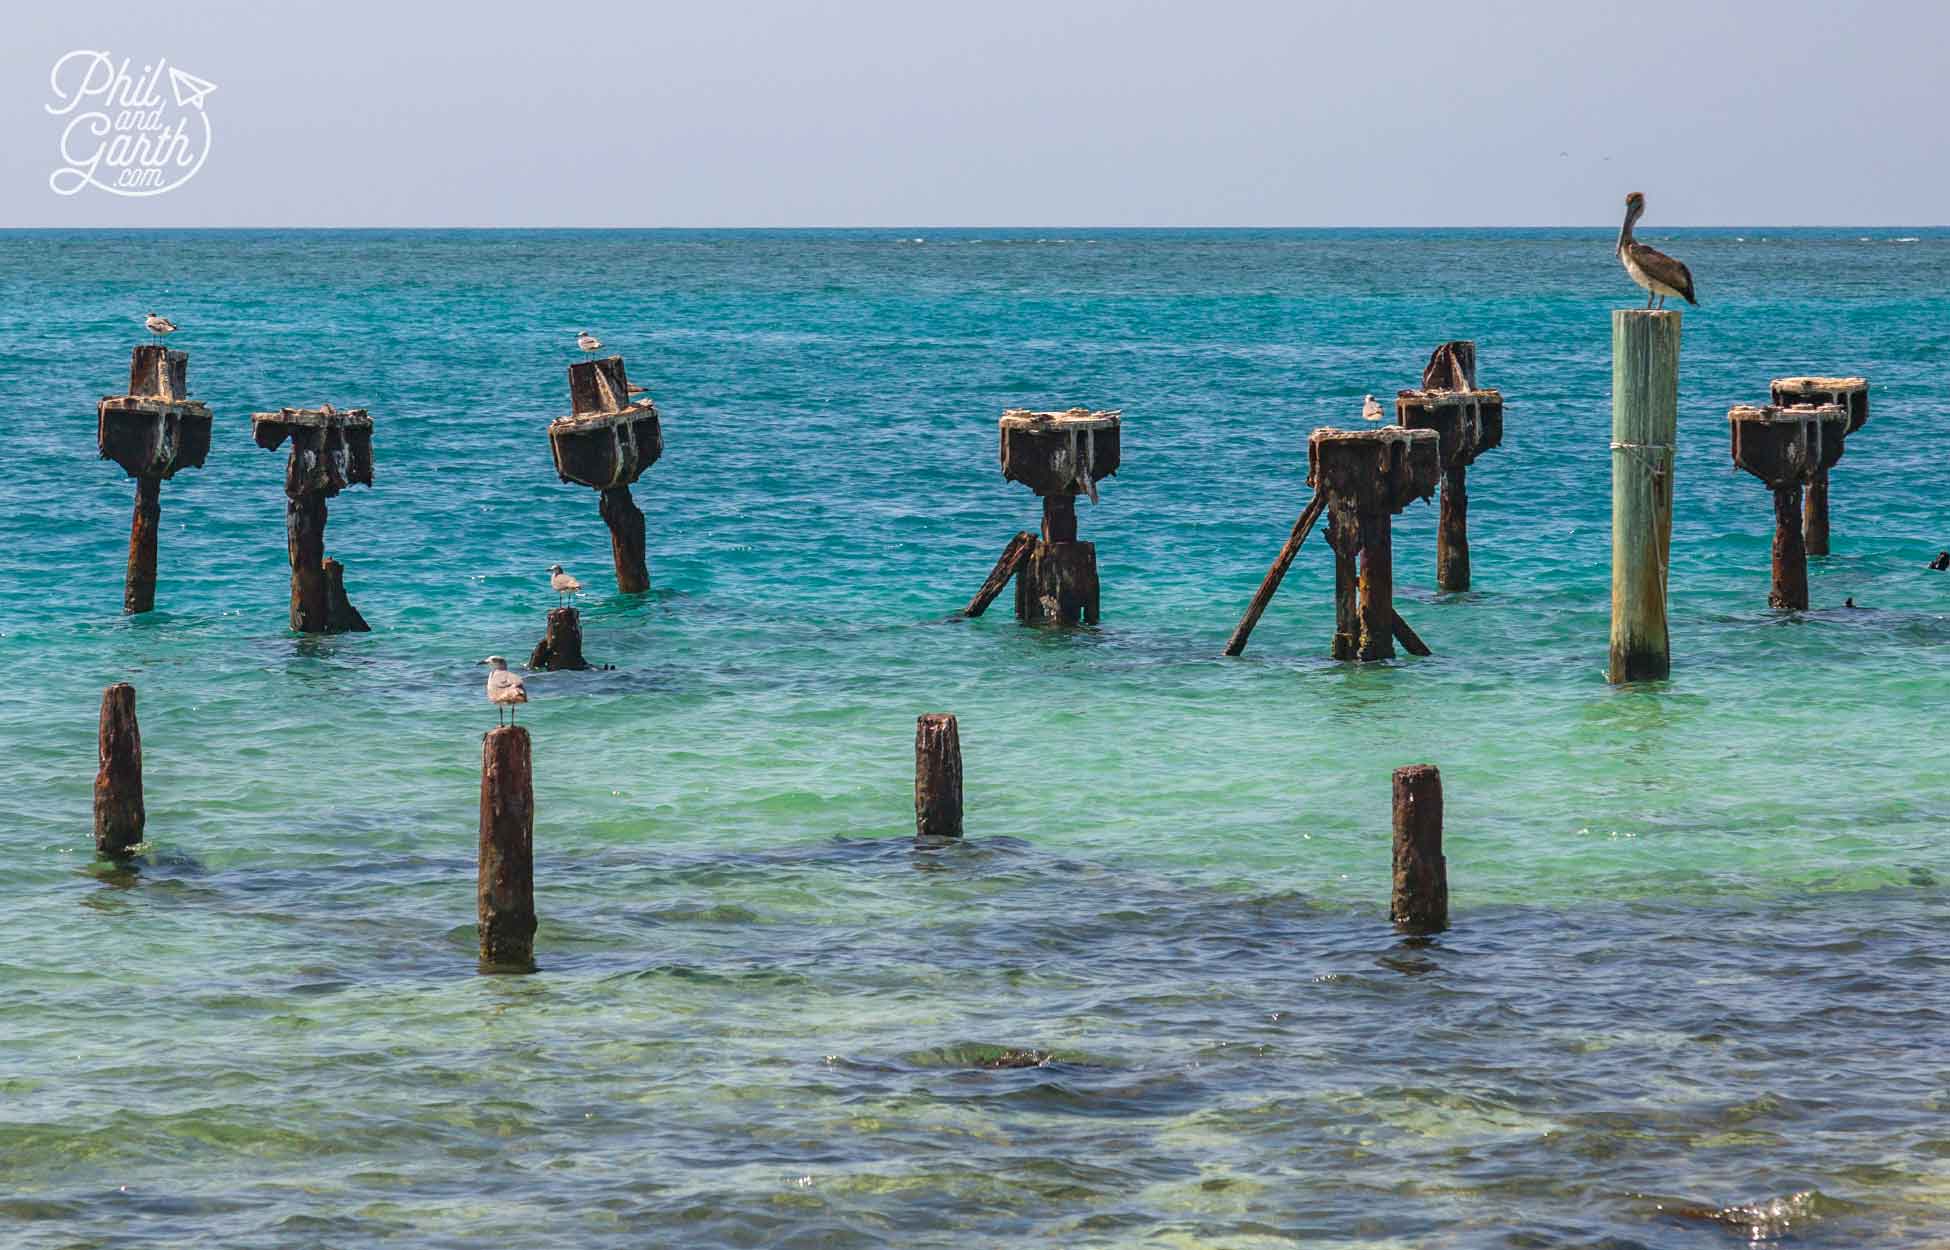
(937, 777)
(606, 443)
(1644, 428)
(506, 886)
(1059, 455)
(330, 450)
(1787, 448)
(151, 432)
(1468, 422)
(118, 778)
(561, 646)
(1421, 896)
(1850, 394)
(1366, 477)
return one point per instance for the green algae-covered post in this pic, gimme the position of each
(151, 432)
(1851, 394)
(1420, 901)
(937, 777)
(119, 815)
(1787, 448)
(1644, 427)
(605, 443)
(506, 885)
(331, 448)
(1366, 477)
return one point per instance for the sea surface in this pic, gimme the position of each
(1697, 982)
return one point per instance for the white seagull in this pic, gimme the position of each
(159, 326)
(504, 689)
(588, 342)
(562, 584)
(1371, 409)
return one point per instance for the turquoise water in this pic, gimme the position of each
(1698, 951)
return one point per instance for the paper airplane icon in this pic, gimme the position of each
(189, 89)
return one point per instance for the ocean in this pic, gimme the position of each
(1697, 958)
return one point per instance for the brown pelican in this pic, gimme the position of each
(562, 584)
(1652, 269)
(159, 326)
(588, 342)
(504, 689)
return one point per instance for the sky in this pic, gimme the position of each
(1099, 112)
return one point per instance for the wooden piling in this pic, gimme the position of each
(1644, 427)
(152, 431)
(1790, 585)
(1852, 396)
(331, 449)
(1059, 455)
(561, 646)
(1376, 597)
(506, 886)
(1420, 900)
(119, 815)
(1236, 645)
(606, 443)
(937, 776)
(1005, 568)
(1787, 448)
(1345, 542)
(1467, 423)
(1366, 477)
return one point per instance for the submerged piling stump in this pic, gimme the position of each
(1059, 455)
(151, 432)
(1420, 901)
(1468, 422)
(1787, 448)
(1851, 394)
(560, 649)
(606, 443)
(1644, 427)
(1366, 477)
(937, 776)
(119, 815)
(506, 886)
(331, 449)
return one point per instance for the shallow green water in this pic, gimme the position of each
(1699, 948)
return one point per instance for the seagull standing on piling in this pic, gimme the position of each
(562, 584)
(159, 326)
(1371, 409)
(588, 342)
(504, 689)
(1652, 269)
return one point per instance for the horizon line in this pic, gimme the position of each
(1602, 228)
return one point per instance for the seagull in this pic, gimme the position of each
(588, 342)
(1652, 269)
(1371, 409)
(504, 689)
(159, 326)
(562, 584)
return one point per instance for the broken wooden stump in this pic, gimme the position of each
(606, 443)
(1005, 568)
(1420, 900)
(1787, 448)
(1469, 422)
(330, 450)
(560, 649)
(151, 432)
(1059, 455)
(1851, 394)
(119, 815)
(937, 777)
(1644, 428)
(506, 885)
(1366, 477)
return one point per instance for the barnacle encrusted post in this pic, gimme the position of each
(1787, 448)
(606, 443)
(1059, 455)
(330, 450)
(1468, 422)
(1851, 394)
(151, 432)
(1366, 477)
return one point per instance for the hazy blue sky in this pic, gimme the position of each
(715, 113)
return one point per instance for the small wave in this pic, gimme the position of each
(1907, 238)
